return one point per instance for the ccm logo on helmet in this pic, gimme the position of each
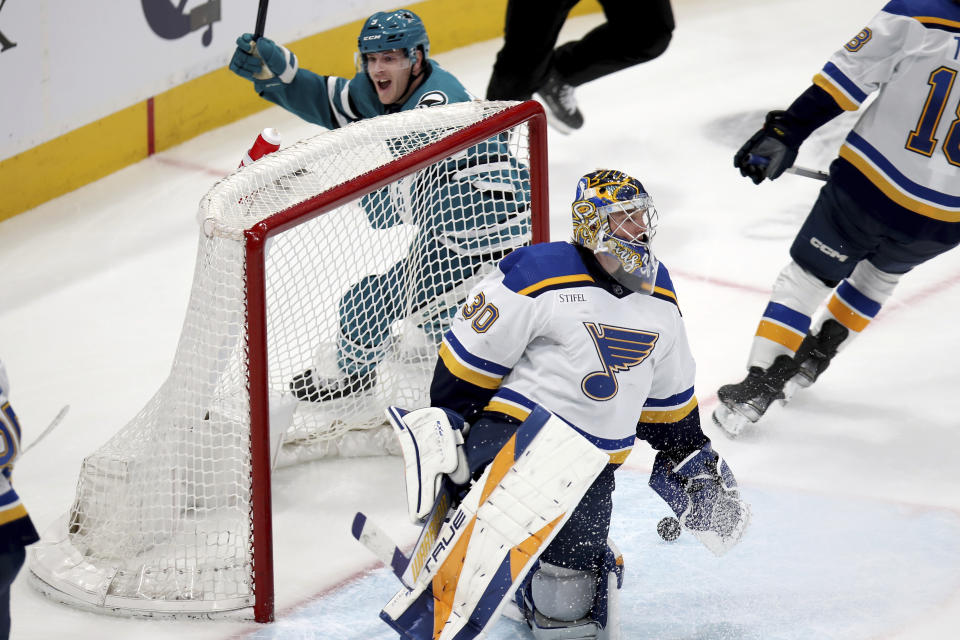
(830, 251)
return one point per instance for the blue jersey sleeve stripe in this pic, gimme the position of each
(8, 498)
(673, 401)
(512, 396)
(844, 82)
(785, 315)
(669, 416)
(468, 358)
(457, 369)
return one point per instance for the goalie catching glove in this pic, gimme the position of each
(703, 493)
(431, 443)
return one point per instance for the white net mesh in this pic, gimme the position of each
(357, 299)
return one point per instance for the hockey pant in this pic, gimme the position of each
(501, 527)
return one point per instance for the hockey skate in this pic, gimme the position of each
(745, 402)
(561, 105)
(309, 389)
(814, 355)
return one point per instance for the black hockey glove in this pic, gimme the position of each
(770, 151)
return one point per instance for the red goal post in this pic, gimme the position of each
(173, 515)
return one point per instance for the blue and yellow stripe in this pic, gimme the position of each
(557, 282)
(468, 367)
(896, 186)
(841, 88)
(852, 308)
(783, 325)
(669, 410)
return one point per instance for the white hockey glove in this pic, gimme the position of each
(703, 493)
(263, 61)
(431, 443)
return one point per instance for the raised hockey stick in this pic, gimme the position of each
(53, 425)
(405, 567)
(261, 19)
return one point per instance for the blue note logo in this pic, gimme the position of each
(619, 350)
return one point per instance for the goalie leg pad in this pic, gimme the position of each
(431, 443)
(499, 530)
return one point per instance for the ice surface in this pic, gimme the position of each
(854, 487)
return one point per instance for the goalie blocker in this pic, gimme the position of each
(494, 538)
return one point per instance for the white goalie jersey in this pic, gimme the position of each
(545, 329)
(907, 142)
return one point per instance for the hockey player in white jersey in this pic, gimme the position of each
(582, 344)
(892, 200)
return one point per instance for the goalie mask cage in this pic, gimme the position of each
(349, 251)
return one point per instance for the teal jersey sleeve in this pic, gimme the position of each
(332, 101)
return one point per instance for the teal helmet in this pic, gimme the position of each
(388, 30)
(613, 215)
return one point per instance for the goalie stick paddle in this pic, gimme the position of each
(406, 567)
(379, 542)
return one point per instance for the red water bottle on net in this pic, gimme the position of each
(267, 142)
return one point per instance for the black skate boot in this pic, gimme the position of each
(745, 402)
(815, 353)
(561, 105)
(305, 387)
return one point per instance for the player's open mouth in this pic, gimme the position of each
(383, 85)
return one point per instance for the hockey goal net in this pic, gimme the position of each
(345, 256)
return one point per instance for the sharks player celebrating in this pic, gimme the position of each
(396, 74)
(557, 362)
(892, 200)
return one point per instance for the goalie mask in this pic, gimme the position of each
(614, 216)
(388, 30)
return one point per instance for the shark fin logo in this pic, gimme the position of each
(171, 22)
(619, 350)
(432, 99)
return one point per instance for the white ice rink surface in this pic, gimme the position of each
(854, 486)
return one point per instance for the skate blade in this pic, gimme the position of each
(793, 385)
(730, 421)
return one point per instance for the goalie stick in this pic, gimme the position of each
(53, 425)
(406, 567)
